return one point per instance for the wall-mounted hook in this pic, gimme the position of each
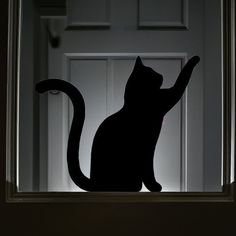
(53, 39)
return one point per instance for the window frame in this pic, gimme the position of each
(227, 195)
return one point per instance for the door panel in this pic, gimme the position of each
(102, 81)
(163, 13)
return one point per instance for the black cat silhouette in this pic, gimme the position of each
(124, 144)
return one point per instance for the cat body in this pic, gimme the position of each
(124, 144)
(130, 159)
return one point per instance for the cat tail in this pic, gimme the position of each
(76, 128)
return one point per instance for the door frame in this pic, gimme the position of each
(12, 130)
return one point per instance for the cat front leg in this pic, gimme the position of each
(149, 180)
(153, 185)
(175, 93)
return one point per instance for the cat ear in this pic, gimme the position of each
(138, 62)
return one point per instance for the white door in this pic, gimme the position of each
(99, 44)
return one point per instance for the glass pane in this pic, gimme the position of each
(96, 53)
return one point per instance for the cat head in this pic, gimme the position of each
(148, 72)
(144, 83)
